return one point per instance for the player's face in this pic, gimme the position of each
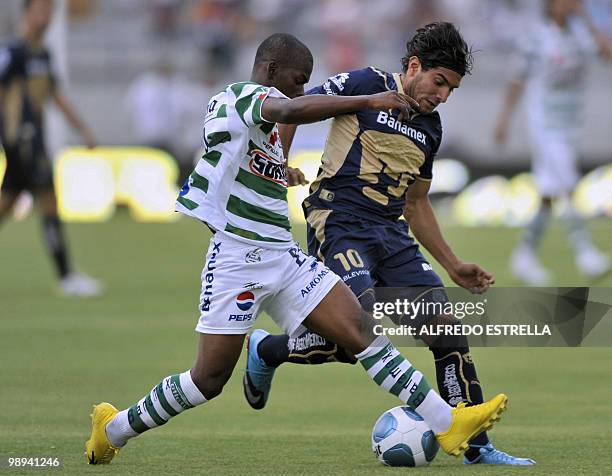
(291, 81)
(39, 14)
(432, 87)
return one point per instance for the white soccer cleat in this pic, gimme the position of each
(526, 266)
(592, 263)
(80, 285)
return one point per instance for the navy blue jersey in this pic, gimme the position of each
(371, 157)
(26, 79)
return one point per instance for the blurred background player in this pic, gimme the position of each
(555, 56)
(376, 167)
(27, 81)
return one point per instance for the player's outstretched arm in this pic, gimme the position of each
(318, 107)
(424, 225)
(511, 99)
(73, 118)
(603, 45)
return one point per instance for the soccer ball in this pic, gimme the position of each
(401, 437)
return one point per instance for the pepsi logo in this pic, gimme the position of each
(245, 300)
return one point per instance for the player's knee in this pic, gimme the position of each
(359, 334)
(210, 386)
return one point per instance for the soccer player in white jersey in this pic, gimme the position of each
(238, 189)
(554, 60)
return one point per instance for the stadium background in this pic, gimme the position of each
(58, 356)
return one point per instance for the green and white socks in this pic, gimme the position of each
(381, 360)
(391, 371)
(173, 395)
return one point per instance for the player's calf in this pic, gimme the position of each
(217, 356)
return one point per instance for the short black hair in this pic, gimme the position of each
(285, 49)
(437, 45)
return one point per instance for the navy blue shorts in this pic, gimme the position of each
(366, 254)
(27, 168)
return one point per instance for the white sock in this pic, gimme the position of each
(393, 372)
(173, 395)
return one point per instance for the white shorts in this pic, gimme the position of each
(554, 163)
(240, 280)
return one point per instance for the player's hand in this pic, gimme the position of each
(472, 277)
(295, 177)
(89, 139)
(390, 100)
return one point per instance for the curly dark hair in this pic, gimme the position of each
(439, 44)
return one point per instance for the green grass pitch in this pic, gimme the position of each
(59, 356)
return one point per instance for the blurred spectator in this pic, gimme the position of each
(165, 17)
(216, 26)
(158, 102)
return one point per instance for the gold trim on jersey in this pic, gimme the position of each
(375, 195)
(342, 134)
(12, 113)
(382, 75)
(398, 81)
(38, 88)
(317, 219)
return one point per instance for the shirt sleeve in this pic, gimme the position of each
(344, 84)
(426, 170)
(585, 39)
(249, 102)
(7, 65)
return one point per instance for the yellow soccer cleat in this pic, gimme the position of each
(98, 449)
(467, 422)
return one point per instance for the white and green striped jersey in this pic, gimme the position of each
(240, 184)
(554, 63)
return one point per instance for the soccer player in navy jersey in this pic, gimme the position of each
(375, 169)
(27, 82)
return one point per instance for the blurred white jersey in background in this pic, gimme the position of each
(554, 65)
